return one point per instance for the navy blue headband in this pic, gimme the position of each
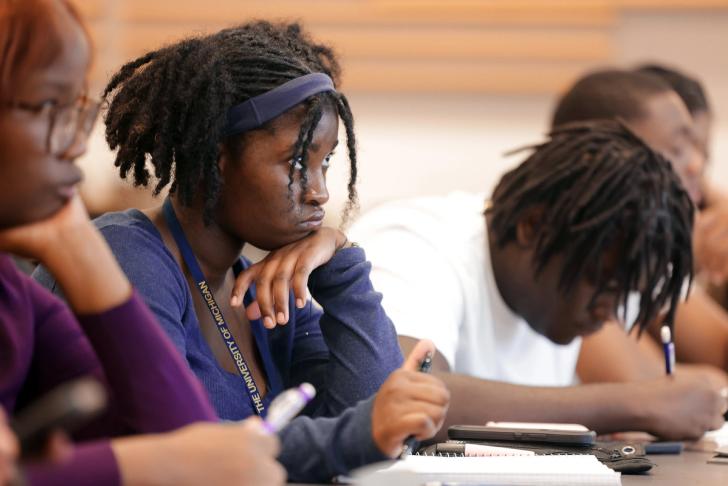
(258, 110)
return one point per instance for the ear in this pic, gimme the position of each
(224, 158)
(528, 226)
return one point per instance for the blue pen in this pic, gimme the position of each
(411, 443)
(669, 348)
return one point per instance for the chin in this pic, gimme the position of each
(30, 213)
(271, 244)
(562, 339)
(560, 335)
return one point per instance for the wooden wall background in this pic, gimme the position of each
(426, 46)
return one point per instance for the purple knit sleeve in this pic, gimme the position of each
(91, 464)
(152, 385)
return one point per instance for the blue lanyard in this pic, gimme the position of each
(232, 346)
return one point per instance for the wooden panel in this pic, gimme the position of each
(433, 77)
(341, 12)
(672, 4)
(474, 44)
(391, 44)
(138, 39)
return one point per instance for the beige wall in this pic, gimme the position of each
(438, 140)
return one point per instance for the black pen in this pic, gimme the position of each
(411, 443)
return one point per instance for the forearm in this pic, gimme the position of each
(91, 464)
(628, 358)
(362, 342)
(144, 461)
(604, 408)
(319, 449)
(153, 387)
(87, 271)
(701, 331)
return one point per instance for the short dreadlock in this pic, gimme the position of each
(169, 106)
(601, 188)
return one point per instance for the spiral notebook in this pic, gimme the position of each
(567, 470)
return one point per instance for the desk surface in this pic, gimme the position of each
(688, 468)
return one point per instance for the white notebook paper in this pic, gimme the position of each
(574, 470)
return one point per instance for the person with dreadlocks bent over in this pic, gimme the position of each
(591, 216)
(671, 124)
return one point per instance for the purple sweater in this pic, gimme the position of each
(43, 345)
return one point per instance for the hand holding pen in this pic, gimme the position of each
(409, 403)
(411, 443)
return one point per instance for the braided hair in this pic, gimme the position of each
(169, 106)
(602, 189)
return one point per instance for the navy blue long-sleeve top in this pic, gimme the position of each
(346, 348)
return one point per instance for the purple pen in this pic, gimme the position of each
(287, 405)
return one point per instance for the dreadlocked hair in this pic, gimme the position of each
(168, 107)
(603, 190)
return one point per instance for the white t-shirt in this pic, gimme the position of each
(431, 263)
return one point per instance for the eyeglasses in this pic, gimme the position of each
(66, 123)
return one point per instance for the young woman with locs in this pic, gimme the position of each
(241, 125)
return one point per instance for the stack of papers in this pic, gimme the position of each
(566, 470)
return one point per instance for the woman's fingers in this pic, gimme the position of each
(242, 283)
(418, 354)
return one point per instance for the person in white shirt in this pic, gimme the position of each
(564, 241)
(674, 125)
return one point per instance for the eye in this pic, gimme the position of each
(327, 161)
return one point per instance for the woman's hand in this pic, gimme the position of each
(282, 269)
(207, 453)
(409, 403)
(41, 239)
(76, 254)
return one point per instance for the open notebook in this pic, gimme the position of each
(564, 470)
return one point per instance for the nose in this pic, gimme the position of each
(317, 193)
(77, 148)
(696, 164)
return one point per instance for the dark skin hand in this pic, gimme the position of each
(409, 403)
(674, 408)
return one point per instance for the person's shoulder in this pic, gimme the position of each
(22, 294)
(12, 281)
(442, 223)
(130, 230)
(423, 212)
(138, 246)
(131, 220)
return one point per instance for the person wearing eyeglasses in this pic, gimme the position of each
(105, 331)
